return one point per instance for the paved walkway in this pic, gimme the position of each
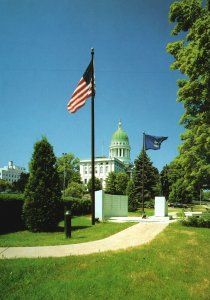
(133, 236)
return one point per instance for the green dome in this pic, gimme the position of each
(120, 135)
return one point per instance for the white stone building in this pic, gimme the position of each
(118, 160)
(11, 172)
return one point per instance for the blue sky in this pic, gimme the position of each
(45, 48)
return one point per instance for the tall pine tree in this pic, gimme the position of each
(42, 193)
(164, 179)
(151, 178)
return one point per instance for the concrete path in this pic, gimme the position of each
(133, 236)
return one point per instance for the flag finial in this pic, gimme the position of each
(120, 124)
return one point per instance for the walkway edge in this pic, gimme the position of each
(133, 236)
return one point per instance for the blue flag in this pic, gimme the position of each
(153, 142)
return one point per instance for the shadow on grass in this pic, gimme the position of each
(73, 228)
(6, 230)
(58, 229)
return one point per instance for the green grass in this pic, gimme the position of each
(199, 208)
(148, 212)
(82, 231)
(173, 266)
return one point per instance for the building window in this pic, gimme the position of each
(85, 170)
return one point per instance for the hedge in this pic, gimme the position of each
(11, 206)
(10, 212)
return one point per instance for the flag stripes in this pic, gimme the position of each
(82, 92)
(78, 99)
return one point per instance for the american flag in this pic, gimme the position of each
(83, 91)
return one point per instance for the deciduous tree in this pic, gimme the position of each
(192, 58)
(98, 185)
(20, 184)
(111, 183)
(69, 164)
(75, 189)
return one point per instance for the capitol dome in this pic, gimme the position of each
(120, 147)
(120, 135)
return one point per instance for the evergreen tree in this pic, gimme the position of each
(164, 179)
(42, 193)
(192, 58)
(151, 178)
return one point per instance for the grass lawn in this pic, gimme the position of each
(82, 231)
(151, 211)
(173, 266)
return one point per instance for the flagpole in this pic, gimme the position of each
(142, 192)
(93, 142)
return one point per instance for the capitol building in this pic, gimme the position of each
(11, 172)
(118, 160)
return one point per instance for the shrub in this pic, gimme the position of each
(76, 206)
(149, 204)
(202, 221)
(75, 190)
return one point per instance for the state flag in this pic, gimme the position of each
(153, 142)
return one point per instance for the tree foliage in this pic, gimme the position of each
(98, 185)
(132, 201)
(116, 183)
(75, 190)
(164, 179)
(20, 184)
(121, 183)
(111, 183)
(69, 164)
(175, 186)
(180, 189)
(5, 185)
(192, 58)
(42, 194)
(147, 174)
